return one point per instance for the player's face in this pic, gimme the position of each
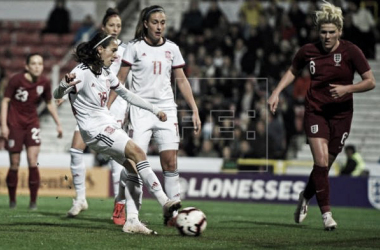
(109, 54)
(35, 65)
(113, 26)
(329, 36)
(156, 26)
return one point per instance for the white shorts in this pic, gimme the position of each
(111, 141)
(118, 110)
(144, 125)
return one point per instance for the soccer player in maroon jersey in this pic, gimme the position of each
(329, 102)
(20, 124)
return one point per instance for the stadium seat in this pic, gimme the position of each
(50, 39)
(31, 26)
(5, 38)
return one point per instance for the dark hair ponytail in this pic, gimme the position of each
(87, 53)
(141, 31)
(109, 13)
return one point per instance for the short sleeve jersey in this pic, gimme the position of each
(89, 98)
(337, 67)
(151, 68)
(115, 66)
(25, 97)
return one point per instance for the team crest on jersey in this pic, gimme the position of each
(337, 59)
(314, 129)
(109, 130)
(40, 90)
(374, 191)
(168, 55)
(344, 137)
(11, 143)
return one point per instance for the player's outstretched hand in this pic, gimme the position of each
(69, 80)
(162, 116)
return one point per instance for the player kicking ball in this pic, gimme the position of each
(88, 86)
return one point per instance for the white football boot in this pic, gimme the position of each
(134, 226)
(301, 210)
(328, 221)
(78, 206)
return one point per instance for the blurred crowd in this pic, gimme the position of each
(232, 67)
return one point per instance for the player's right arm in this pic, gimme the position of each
(285, 81)
(4, 117)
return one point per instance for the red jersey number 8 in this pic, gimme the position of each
(312, 67)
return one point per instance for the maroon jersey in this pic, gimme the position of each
(25, 97)
(337, 67)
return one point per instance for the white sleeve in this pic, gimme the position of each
(135, 99)
(62, 89)
(178, 61)
(129, 54)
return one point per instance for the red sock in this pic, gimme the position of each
(320, 178)
(11, 180)
(309, 191)
(34, 183)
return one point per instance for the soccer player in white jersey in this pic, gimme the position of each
(88, 86)
(111, 25)
(152, 59)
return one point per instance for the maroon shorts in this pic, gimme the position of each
(335, 130)
(18, 137)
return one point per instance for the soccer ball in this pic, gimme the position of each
(191, 221)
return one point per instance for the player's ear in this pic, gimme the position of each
(146, 24)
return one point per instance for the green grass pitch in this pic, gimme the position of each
(231, 225)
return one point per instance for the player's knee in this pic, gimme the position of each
(137, 155)
(169, 165)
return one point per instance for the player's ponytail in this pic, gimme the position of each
(141, 31)
(329, 13)
(87, 52)
(109, 13)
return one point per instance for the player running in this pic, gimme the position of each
(332, 63)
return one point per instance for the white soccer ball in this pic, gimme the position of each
(191, 221)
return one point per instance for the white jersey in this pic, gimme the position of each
(151, 68)
(119, 106)
(89, 100)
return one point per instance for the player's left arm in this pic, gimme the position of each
(54, 114)
(367, 83)
(185, 88)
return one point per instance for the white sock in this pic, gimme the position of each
(172, 186)
(78, 172)
(151, 181)
(116, 170)
(122, 183)
(133, 191)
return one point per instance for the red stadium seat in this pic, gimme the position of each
(31, 26)
(18, 51)
(5, 38)
(50, 39)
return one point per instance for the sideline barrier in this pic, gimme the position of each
(58, 182)
(281, 167)
(281, 189)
